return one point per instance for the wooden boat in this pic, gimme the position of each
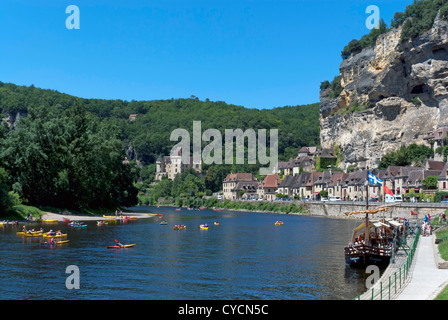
(372, 241)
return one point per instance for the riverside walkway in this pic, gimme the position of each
(411, 278)
(426, 279)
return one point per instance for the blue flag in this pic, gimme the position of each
(375, 180)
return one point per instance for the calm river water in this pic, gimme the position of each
(245, 257)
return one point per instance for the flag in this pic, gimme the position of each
(388, 191)
(375, 180)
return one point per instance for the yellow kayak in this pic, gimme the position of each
(55, 236)
(203, 227)
(34, 234)
(49, 220)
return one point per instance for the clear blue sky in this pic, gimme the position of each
(254, 53)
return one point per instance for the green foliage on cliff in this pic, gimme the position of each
(422, 15)
(405, 156)
(416, 19)
(355, 46)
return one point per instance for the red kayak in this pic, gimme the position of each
(119, 247)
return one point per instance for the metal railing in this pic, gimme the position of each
(390, 285)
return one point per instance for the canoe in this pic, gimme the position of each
(57, 242)
(25, 233)
(180, 228)
(34, 234)
(120, 247)
(55, 236)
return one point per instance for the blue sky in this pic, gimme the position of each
(254, 53)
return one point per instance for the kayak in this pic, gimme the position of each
(79, 226)
(120, 247)
(110, 217)
(34, 234)
(50, 221)
(25, 233)
(55, 236)
(203, 227)
(66, 220)
(57, 242)
(278, 223)
(216, 223)
(180, 227)
(163, 223)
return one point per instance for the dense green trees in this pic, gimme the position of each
(67, 158)
(68, 151)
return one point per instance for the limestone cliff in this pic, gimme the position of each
(393, 93)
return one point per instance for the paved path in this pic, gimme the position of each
(426, 280)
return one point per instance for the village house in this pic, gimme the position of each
(335, 185)
(307, 152)
(443, 179)
(299, 187)
(239, 186)
(267, 189)
(286, 186)
(437, 139)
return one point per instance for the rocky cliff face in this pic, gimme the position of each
(393, 94)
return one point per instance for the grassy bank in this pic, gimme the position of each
(21, 211)
(263, 206)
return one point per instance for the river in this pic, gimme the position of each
(245, 257)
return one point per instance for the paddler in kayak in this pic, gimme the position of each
(51, 241)
(119, 244)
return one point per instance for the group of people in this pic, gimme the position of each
(426, 226)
